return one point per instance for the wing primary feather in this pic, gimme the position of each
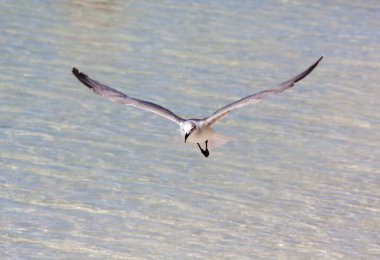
(121, 98)
(258, 96)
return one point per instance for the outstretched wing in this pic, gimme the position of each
(121, 98)
(258, 96)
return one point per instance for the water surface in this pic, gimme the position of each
(83, 178)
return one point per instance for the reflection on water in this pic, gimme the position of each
(84, 178)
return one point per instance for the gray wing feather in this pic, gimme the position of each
(121, 98)
(258, 96)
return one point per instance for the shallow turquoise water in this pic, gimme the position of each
(83, 178)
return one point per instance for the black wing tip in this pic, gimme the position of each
(320, 58)
(78, 73)
(81, 77)
(317, 62)
(75, 71)
(308, 71)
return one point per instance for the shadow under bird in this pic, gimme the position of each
(196, 131)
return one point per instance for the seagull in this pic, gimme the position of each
(195, 131)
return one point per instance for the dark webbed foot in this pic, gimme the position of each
(205, 152)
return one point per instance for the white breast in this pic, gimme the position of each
(201, 135)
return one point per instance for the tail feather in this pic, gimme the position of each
(218, 140)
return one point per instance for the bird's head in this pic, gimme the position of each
(187, 128)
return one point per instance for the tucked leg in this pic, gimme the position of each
(205, 152)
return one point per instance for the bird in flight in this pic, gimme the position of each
(196, 131)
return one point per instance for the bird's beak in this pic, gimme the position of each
(186, 136)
